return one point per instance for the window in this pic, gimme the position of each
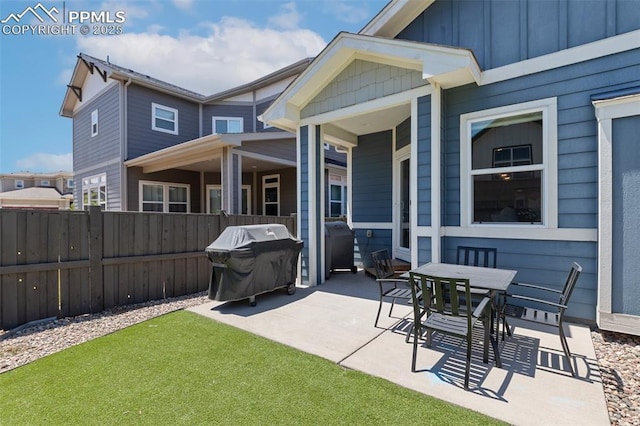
(271, 195)
(223, 125)
(509, 156)
(94, 191)
(71, 183)
(214, 199)
(94, 123)
(164, 119)
(246, 199)
(19, 184)
(45, 182)
(164, 197)
(337, 196)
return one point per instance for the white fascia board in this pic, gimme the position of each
(521, 233)
(395, 17)
(624, 106)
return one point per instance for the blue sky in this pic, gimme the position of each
(205, 46)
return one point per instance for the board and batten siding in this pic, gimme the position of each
(225, 110)
(142, 139)
(506, 32)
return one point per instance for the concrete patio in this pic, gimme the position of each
(335, 321)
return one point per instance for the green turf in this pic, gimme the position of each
(182, 368)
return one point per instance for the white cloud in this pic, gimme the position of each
(133, 11)
(234, 51)
(288, 19)
(183, 4)
(44, 162)
(345, 12)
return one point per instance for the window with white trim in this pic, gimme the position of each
(222, 125)
(337, 196)
(19, 183)
(94, 123)
(164, 197)
(45, 182)
(509, 165)
(71, 183)
(271, 195)
(214, 199)
(246, 199)
(94, 191)
(164, 119)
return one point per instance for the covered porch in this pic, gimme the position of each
(381, 101)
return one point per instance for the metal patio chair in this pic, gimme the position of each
(449, 314)
(516, 306)
(389, 282)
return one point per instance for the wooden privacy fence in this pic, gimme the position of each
(68, 263)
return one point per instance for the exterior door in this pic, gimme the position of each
(401, 214)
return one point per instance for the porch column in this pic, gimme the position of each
(310, 204)
(436, 181)
(229, 181)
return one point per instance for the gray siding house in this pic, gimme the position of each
(491, 123)
(141, 144)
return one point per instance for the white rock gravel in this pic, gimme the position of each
(618, 354)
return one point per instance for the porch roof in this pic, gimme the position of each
(196, 151)
(447, 66)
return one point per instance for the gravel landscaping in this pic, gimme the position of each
(618, 354)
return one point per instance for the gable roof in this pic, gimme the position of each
(107, 70)
(448, 66)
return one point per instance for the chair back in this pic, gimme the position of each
(382, 263)
(569, 285)
(477, 256)
(447, 294)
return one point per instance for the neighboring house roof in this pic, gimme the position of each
(88, 64)
(32, 175)
(35, 197)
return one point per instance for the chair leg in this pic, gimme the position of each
(393, 302)
(415, 348)
(565, 348)
(467, 370)
(378, 315)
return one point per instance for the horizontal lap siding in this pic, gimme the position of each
(304, 201)
(225, 110)
(91, 150)
(135, 175)
(364, 246)
(372, 178)
(577, 127)
(424, 161)
(543, 262)
(142, 139)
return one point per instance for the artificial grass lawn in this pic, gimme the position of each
(183, 368)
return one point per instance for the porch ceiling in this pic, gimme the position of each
(376, 121)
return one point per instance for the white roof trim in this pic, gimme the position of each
(446, 65)
(395, 17)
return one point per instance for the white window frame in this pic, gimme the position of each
(71, 183)
(265, 186)
(94, 123)
(227, 119)
(340, 181)
(45, 182)
(165, 194)
(154, 108)
(94, 182)
(19, 184)
(549, 166)
(207, 189)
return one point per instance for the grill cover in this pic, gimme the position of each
(252, 259)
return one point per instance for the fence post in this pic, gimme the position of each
(96, 232)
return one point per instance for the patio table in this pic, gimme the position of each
(493, 279)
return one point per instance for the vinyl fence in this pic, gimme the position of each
(68, 263)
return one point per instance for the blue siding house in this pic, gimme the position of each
(141, 144)
(509, 124)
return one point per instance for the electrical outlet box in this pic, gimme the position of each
(369, 233)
